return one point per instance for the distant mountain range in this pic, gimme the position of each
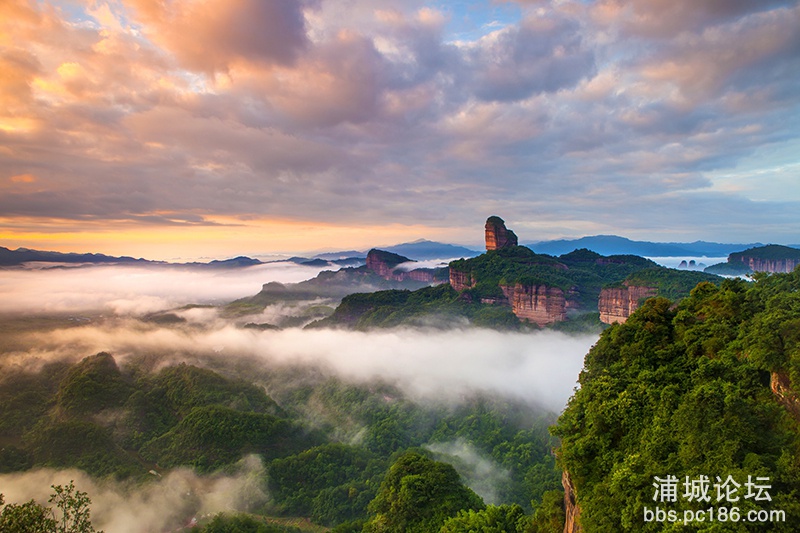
(614, 245)
(421, 250)
(26, 255)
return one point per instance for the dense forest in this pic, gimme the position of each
(697, 392)
(340, 454)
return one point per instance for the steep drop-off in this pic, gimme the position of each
(616, 304)
(707, 387)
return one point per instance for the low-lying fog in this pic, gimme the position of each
(137, 289)
(177, 498)
(540, 368)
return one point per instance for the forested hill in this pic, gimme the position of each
(513, 288)
(699, 392)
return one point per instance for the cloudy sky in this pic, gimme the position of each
(191, 128)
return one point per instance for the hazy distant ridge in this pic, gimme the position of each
(615, 245)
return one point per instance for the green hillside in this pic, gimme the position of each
(685, 392)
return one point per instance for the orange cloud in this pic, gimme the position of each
(212, 35)
(23, 178)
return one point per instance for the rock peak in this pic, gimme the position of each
(497, 235)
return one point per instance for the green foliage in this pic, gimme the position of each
(670, 283)
(390, 258)
(242, 523)
(581, 275)
(73, 509)
(184, 415)
(13, 459)
(93, 384)
(80, 444)
(436, 306)
(28, 517)
(326, 481)
(72, 516)
(729, 269)
(683, 391)
(26, 397)
(94, 417)
(163, 400)
(511, 265)
(212, 436)
(492, 519)
(417, 495)
(769, 252)
(549, 516)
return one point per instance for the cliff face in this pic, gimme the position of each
(418, 274)
(497, 235)
(539, 304)
(460, 280)
(770, 258)
(571, 509)
(385, 265)
(758, 264)
(782, 390)
(617, 304)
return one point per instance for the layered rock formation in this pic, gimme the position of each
(539, 304)
(617, 304)
(571, 509)
(461, 280)
(758, 264)
(385, 265)
(770, 258)
(497, 235)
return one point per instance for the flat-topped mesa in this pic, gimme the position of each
(385, 265)
(497, 235)
(618, 303)
(770, 258)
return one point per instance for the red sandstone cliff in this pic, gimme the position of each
(539, 304)
(418, 274)
(382, 264)
(757, 264)
(385, 265)
(617, 304)
(461, 280)
(769, 258)
(571, 509)
(497, 235)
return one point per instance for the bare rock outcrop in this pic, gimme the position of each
(571, 509)
(539, 304)
(617, 304)
(758, 264)
(769, 258)
(782, 390)
(385, 264)
(461, 280)
(497, 235)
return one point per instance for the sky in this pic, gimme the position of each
(212, 128)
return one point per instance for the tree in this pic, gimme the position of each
(493, 519)
(31, 517)
(74, 509)
(418, 495)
